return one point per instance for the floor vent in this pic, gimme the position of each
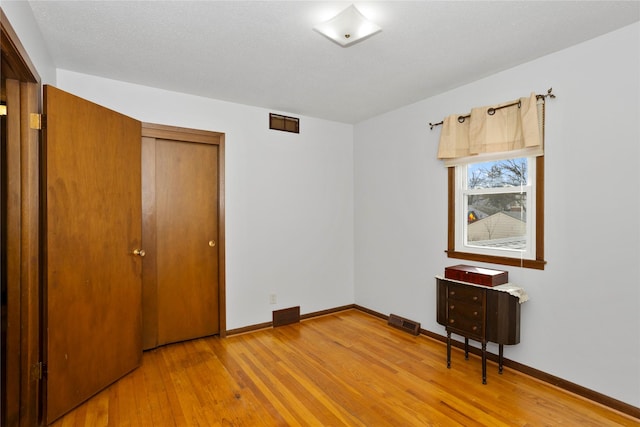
(404, 324)
(286, 316)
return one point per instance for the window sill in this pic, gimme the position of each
(516, 262)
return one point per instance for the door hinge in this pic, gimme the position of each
(38, 371)
(37, 121)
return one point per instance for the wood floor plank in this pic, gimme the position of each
(342, 369)
(302, 386)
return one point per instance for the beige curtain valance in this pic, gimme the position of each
(511, 129)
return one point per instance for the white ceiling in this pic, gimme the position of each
(265, 53)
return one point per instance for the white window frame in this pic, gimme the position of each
(461, 212)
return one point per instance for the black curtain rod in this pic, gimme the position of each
(492, 110)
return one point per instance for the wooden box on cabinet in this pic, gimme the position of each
(476, 275)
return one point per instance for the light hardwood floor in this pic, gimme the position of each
(343, 369)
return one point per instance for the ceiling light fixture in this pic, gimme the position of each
(347, 27)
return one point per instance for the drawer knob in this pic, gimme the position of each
(452, 321)
(451, 307)
(452, 292)
(475, 298)
(475, 313)
(475, 328)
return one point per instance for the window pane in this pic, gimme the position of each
(497, 220)
(497, 174)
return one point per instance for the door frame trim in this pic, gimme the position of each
(26, 237)
(151, 130)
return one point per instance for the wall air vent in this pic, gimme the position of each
(284, 123)
(404, 324)
(286, 316)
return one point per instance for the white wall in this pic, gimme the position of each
(583, 320)
(24, 24)
(289, 197)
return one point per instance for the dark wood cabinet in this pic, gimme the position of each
(479, 313)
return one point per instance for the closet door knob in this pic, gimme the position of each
(212, 243)
(139, 252)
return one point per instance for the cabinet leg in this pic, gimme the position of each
(466, 349)
(448, 349)
(500, 357)
(484, 362)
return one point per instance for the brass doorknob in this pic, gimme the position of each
(139, 252)
(212, 243)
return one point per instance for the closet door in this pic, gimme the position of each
(181, 199)
(92, 234)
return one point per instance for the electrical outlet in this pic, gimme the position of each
(272, 299)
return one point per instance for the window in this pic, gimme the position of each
(496, 211)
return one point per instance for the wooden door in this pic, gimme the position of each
(92, 287)
(181, 234)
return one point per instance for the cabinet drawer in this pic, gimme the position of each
(468, 294)
(459, 309)
(465, 326)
